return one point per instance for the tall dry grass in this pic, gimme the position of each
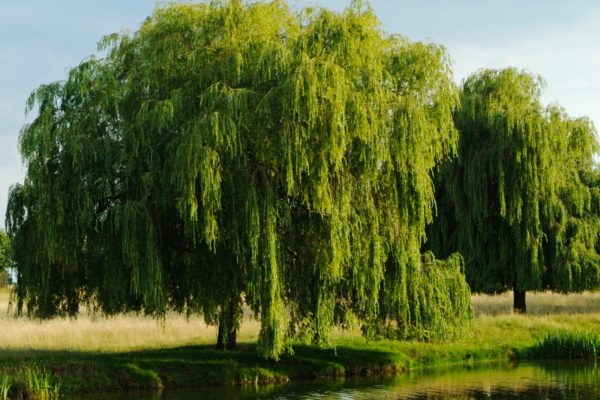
(541, 303)
(94, 332)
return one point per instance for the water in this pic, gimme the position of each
(563, 381)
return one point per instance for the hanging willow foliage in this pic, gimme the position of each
(230, 153)
(519, 202)
(572, 248)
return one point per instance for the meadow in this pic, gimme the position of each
(95, 353)
(541, 303)
(130, 332)
(97, 333)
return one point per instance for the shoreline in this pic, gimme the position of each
(495, 340)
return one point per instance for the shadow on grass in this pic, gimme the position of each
(193, 366)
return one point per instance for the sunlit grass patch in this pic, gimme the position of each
(129, 332)
(541, 303)
(97, 333)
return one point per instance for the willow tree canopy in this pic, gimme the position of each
(231, 152)
(572, 245)
(520, 200)
(6, 261)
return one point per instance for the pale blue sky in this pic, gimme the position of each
(558, 39)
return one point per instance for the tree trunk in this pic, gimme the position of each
(228, 326)
(226, 340)
(519, 306)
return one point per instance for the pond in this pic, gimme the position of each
(549, 381)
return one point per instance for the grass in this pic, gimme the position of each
(29, 383)
(92, 353)
(96, 333)
(568, 344)
(542, 303)
(39, 385)
(5, 386)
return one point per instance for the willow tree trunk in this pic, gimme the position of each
(226, 340)
(519, 306)
(228, 326)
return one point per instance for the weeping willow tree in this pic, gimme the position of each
(572, 245)
(519, 201)
(230, 153)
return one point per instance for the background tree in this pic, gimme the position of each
(572, 245)
(6, 259)
(518, 201)
(231, 153)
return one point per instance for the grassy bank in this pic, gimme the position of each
(129, 352)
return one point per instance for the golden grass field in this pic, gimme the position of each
(542, 303)
(107, 334)
(133, 332)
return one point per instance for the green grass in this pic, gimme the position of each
(39, 385)
(494, 339)
(193, 366)
(30, 383)
(567, 345)
(143, 354)
(5, 386)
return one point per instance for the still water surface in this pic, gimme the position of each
(525, 381)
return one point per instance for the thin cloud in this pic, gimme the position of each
(567, 56)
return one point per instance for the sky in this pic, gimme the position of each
(559, 40)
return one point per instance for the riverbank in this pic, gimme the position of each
(494, 339)
(95, 354)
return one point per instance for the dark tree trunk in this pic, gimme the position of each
(228, 326)
(226, 340)
(519, 306)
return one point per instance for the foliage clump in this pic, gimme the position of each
(6, 259)
(230, 153)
